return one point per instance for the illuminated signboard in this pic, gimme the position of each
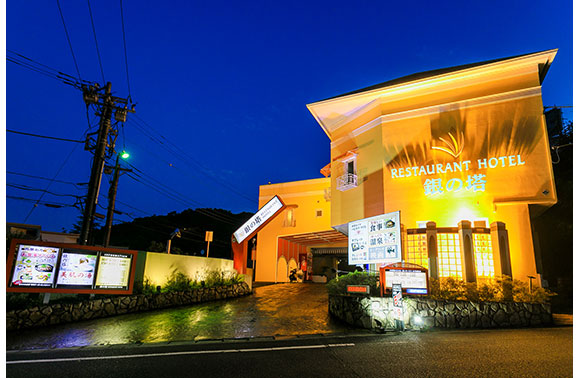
(375, 240)
(266, 212)
(76, 269)
(46, 267)
(358, 289)
(35, 266)
(113, 271)
(412, 281)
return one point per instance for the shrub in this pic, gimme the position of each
(178, 281)
(338, 286)
(493, 290)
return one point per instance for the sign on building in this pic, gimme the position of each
(375, 239)
(261, 217)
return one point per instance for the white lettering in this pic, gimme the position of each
(520, 162)
(492, 162)
(512, 160)
(394, 173)
(457, 167)
(440, 168)
(408, 170)
(422, 171)
(482, 163)
(466, 162)
(502, 159)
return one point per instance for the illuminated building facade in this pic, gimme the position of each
(461, 152)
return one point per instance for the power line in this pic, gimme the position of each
(96, 43)
(68, 39)
(125, 47)
(26, 187)
(178, 152)
(36, 202)
(44, 178)
(50, 183)
(45, 136)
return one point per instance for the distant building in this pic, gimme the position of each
(461, 152)
(34, 232)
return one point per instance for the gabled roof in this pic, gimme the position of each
(440, 71)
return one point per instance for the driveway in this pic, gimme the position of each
(274, 310)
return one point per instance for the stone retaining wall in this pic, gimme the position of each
(99, 308)
(376, 313)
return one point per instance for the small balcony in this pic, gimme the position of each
(346, 182)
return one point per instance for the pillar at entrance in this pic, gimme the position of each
(467, 256)
(431, 236)
(501, 249)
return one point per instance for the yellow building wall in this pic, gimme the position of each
(304, 198)
(495, 115)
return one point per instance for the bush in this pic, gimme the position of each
(493, 290)
(338, 286)
(179, 281)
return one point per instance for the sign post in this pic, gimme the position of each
(398, 314)
(208, 239)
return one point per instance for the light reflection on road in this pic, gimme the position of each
(284, 309)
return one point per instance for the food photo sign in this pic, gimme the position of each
(375, 239)
(45, 267)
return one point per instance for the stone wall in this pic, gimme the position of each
(376, 313)
(98, 308)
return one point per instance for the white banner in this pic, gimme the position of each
(265, 213)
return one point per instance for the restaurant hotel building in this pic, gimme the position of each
(462, 153)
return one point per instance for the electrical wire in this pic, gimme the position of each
(45, 178)
(125, 47)
(178, 152)
(96, 43)
(45, 136)
(68, 39)
(44, 203)
(28, 188)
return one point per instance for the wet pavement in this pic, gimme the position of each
(274, 310)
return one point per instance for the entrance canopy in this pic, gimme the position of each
(315, 238)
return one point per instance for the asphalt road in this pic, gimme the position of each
(533, 352)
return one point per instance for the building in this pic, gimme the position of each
(461, 152)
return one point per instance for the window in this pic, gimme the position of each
(318, 213)
(348, 179)
(483, 255)
(449, 255)
(417, 249)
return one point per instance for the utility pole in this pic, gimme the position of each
(112, 198)
(108, 103)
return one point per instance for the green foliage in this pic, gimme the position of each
(338, 286)
(494, 290)
(179, 281)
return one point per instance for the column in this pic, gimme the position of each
(431, 236)
(467, 256)
(501, 249)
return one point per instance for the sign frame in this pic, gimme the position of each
(403, 266)
(10, 266)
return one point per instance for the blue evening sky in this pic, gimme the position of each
(222, 87)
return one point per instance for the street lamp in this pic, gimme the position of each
(176, 233)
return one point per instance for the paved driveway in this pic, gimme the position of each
(282, 309)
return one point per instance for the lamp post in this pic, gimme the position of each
(113, 196)
(176, 233)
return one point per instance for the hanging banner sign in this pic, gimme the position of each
(398, 301)
(375, 240)
(261, 217)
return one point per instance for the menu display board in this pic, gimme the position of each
(77, 268)
(413, 281)
(35, 266)
(375, 239)
(113, 271)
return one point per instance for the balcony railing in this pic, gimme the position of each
(346, 182)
